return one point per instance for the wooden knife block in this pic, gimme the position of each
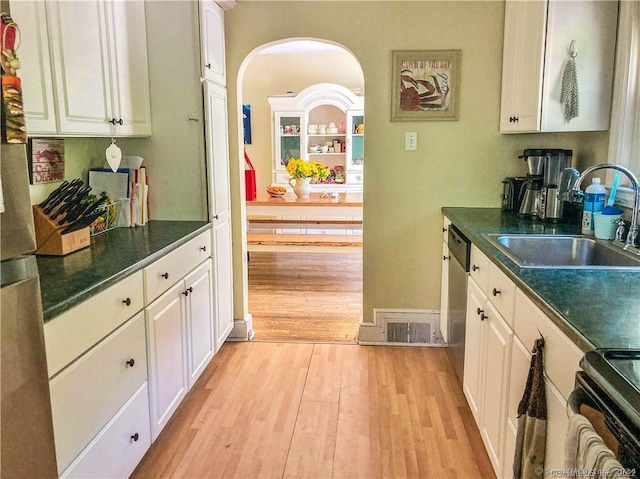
(50, 240)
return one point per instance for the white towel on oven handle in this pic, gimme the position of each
(585, 450)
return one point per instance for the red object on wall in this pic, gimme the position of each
(250, 180)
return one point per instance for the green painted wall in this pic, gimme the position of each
(458, 163)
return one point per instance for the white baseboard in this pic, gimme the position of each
(242, 329)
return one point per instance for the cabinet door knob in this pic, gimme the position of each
(186, 293)
(135, 437)
(495, 292)
(215, 217)
(479, 311)
(475, 268)
(127, 301)
(165, 275)
(120, 122)
(188, 290)
(208, 66)
(203, 248)
(483, 317)
(131, 362)
(446, 257)
(444, 230)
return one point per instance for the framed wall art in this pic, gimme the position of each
(425, 84)
(246, 123)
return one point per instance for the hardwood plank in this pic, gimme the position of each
(305, 297)
(266, 409)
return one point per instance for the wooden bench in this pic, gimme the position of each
(311, 243)
(268, 222)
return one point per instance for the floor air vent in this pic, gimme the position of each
(414, 327)
(409, 332)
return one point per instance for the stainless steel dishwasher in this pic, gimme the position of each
(460, 252)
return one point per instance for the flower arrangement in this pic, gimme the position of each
(299, 169)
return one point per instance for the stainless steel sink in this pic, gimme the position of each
(562, 251)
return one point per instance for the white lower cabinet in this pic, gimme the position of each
(87, 396)
(486, 369)
(167, 349)
(496, 369)
(120, 446)
(180, 342)
(500, 333)
(473, 350)
(201, 346)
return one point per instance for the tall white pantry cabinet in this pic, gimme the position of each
(217, 157)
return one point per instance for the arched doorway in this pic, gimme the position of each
(297, 296)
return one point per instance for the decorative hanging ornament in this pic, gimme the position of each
(114, 155)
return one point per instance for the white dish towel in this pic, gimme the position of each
(586, 451)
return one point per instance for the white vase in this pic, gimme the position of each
(301, 186)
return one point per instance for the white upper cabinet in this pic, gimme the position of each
(100, 69)
(129, 67)
(35, 72)
(537, 40)
(212, 42)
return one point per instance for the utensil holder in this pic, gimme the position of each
(49, 239)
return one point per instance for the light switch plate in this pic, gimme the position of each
(411, 141)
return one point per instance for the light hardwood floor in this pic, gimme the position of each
(265, 410)
(305, 296)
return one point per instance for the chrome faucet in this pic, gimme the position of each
(575, 191)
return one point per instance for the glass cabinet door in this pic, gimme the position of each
(355, 153)
(288, 138)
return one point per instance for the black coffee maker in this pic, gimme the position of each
(513, 188)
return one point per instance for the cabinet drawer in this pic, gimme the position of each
(479, 268)
(502, 293)
(164, 273)
(116, 450)
(87, 394)
(561, 356)
(78, 329)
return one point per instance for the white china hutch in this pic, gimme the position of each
(322, 123)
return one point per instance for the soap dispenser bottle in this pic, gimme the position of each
(594, 197)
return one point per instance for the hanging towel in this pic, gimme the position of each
(531, 439)
(569, 91)
(585, 450)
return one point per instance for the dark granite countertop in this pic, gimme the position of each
(595, 308)
(67, 280)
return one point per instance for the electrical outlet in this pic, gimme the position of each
(411, 140)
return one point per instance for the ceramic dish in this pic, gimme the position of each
(276, 191)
